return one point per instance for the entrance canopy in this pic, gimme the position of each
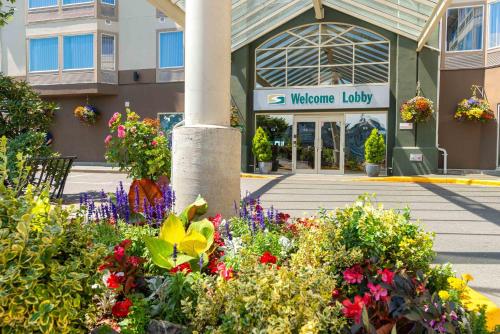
(414, 19)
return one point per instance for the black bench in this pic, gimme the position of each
(48, 172)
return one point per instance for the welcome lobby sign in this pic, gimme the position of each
(315, 98)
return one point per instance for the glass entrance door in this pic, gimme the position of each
(318, 145)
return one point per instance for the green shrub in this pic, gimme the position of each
(261, 146)
(362, 231)
(47, 264)
(29, 144)
(22, 108)
(375, 148)
(267, 300)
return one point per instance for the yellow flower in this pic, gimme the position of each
(457, 283)
(444, 295)
(467, 277)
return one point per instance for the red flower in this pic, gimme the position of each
(218, 239)
(335, 293)
(267, 257)
(226, 273)
(126, 243)
(104, 266)
(121, 309)
(134, 260)
(258, 208)
(184, 268)
(377, 291)
(354, 310)
(216, 220)
(353, 275)
(283, 217)
(386, 275)
(114, 281)
(119, 253)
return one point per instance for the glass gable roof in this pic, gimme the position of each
(254, 18)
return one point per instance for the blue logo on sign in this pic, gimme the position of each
(276, 99)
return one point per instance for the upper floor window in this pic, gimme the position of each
(75, 2)
(78, 52)
(325, 54)
(108, 52)
(464, 29)
(494, 25)
(44, 54)
(33, 4)
(108, 2)
(171, 49)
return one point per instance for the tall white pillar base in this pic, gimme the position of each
(206, 161)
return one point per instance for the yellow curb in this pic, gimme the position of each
(422, 179)
(257, 176)
(492, 310)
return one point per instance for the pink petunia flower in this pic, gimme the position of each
(108, 139)
(386, 275)
(377, 291)
(121, 131)
(353, 275)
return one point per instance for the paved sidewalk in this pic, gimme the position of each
(465, 218)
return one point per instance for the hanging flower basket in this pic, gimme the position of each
(86, 114)
(475, 108)
(417, 110)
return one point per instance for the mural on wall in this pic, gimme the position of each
(169, 120)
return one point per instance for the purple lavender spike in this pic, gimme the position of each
(174, 254)
(127, 214)
(228, 231)
(262, 222)
(136, 204)
(254, 227)
(115, 212)
(200, 261)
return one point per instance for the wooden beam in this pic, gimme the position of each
(318, 9)
(432, 22)
(172, 11)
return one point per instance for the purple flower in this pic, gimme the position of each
(174, 253)
(200, 261)
(228, 231)
(136, 204)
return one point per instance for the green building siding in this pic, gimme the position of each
(403, 84)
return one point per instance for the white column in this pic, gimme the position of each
(207, 151)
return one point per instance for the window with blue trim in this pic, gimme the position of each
(44, 54)
(465, 29)
(494, 25)
(171, 49)
(32, 4)
(78, 52)
(74, 2)
(108, 2)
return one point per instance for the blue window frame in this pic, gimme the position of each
(108, 2)
(78, 52)
(494, 25)
(465, 29)
(75, 2)
(44, 54)
(171, 51)
(32, 4)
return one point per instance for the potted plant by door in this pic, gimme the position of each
(261, 148)
(374, 153)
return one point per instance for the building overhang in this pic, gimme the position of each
(414, 19)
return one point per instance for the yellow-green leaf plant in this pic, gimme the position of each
(176, 244)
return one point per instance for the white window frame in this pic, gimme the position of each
(489, 26)
(58, 55)
(114, 51)
(183, 48)
(108, 4)
(482, 29)
(93, 51)
(85, 2)
(42, 7)
(318, 65)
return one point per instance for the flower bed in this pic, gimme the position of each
(359, 269)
